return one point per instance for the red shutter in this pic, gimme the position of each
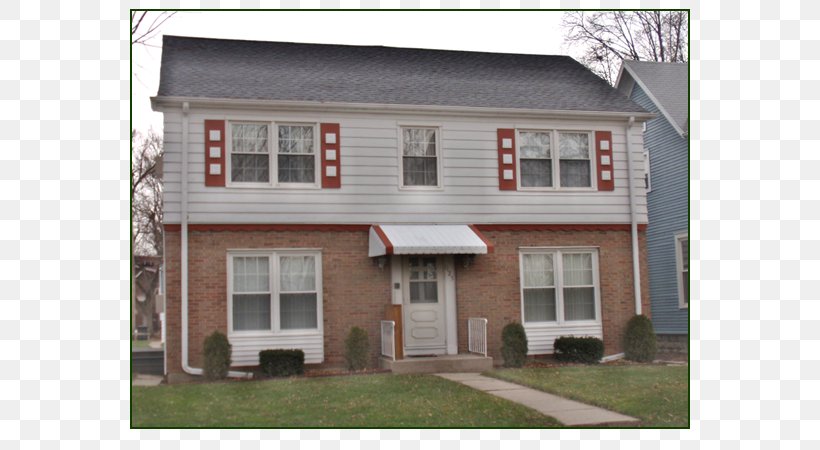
(215, 153)
(331, 155)
(606, 174)
(506, 168)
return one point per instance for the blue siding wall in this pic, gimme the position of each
(668, 204)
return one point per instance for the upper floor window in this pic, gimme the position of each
(250, 157)
(575, 165)
(296, 158)
(254, 156)
(420, 157)
(536, 159)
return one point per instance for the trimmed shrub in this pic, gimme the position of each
(282, 363)
(217, 355)
(639, 340)
(357, 349)
(587, 350)
(514, 348)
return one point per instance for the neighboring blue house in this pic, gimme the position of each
(663, 88)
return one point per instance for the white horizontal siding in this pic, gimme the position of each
(370, 176)
(540, 338)
(245, 349)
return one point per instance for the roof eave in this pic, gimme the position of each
(159, 102)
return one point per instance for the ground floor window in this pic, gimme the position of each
(274, 290)
(559, 285)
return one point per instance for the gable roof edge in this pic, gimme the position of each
(649, 94)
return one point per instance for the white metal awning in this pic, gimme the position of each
(427, 240)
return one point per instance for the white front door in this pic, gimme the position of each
(424, 324)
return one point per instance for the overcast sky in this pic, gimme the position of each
(535, 32)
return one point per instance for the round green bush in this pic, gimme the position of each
(217, 355)
(514, 345)
(639, 340)
(357, 349)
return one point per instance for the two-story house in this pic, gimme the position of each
(311, 188)
(663, 88)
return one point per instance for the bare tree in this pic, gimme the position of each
(145, 25)
(146, 218)
(609, 37)
(146, 192)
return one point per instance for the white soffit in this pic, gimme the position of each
(425, 240)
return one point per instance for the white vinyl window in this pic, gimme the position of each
(274, 291)
(250, 153)
(541, 167)
(420, 157)
(296, 158)
(289, 160)
(297, 292)
(251, 294)
(535, 159)
(559, 286)
(575, 164)
(682, 260)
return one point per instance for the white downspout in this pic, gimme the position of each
(636, 267)
(184, 254)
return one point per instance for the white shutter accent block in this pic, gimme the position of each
(506, 143)
(214, 135)
(215, 152)
(604, 145)
(330, 171)
(507, 159)
(330, 138)
(605, 160)
(508, 174)
(215, 169)
(606, 175)
(330, 155)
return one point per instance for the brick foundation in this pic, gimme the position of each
(355, 290)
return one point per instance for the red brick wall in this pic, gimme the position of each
(490, 287)
(355, 290)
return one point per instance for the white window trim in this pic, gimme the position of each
(274, 255)
(682, 303)
(439, 159)
(273, 153)
(556, 161)
(558, 267)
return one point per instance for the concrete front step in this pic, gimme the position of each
(442, 363)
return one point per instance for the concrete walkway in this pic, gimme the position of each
(146, 380)
(568, 412)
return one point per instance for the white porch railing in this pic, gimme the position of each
(389, 339)
(477, 335)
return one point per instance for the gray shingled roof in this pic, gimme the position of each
(669, 84)
(218, 68)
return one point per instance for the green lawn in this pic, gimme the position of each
(383, 400)
(139, 344)
(658, 395)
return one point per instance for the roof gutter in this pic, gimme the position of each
(184, 253)
(636, 267)
(160, 101)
